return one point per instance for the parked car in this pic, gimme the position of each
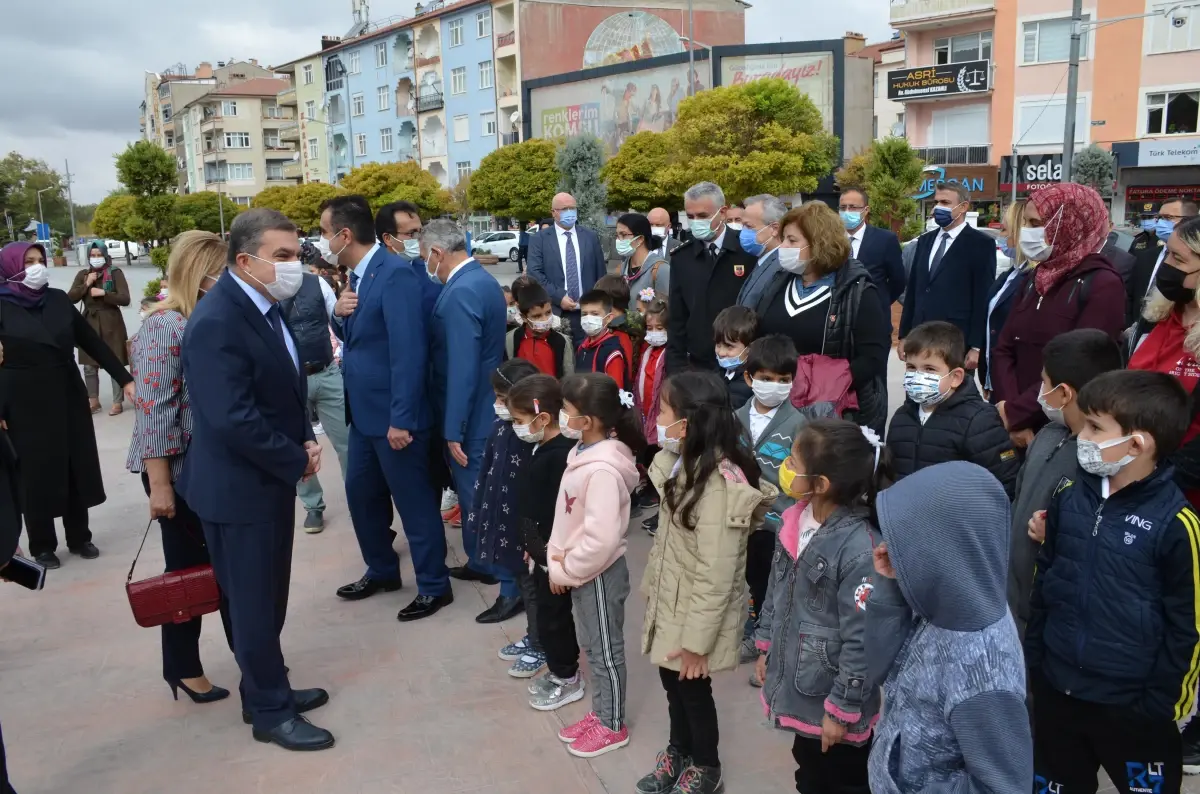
(501, 244)
(116, 249)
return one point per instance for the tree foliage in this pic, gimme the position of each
(204, 212)
(460, 199)
(382, 183)
(632, 174)
(891, 173)
(579, 162)
(1093, 166)
(759, 137)
(112, 214)
(20, 180)
(517, 181)
(148, 172)
(300, 203)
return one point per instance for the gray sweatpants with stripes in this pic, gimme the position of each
(599, 608)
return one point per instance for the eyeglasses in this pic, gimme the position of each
(1172, 218)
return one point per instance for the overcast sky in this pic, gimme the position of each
(75, 93)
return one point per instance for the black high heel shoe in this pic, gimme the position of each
(211, 696)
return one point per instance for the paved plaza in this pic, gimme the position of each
(417, 708)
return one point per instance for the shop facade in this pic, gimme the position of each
(1152, 171)
(980, 181)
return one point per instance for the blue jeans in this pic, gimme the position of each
(465, 479)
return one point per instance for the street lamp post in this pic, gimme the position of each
(41, 218)
(691, 57)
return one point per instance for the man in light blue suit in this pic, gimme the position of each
(760, 236)
(384, 364)
(466, 347)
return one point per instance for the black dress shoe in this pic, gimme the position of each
(88, 551)
(367, 587)
(423, 606)
(296, 734)
(305, 700)
(466, 574)
(504, 608)
(48, 560)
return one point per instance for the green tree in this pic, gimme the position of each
(460, 198)
(759, 137)
(579, 162)
(303, 204)
(891, 173)
(632, 174)
(517, 181)
(383, 183)
(273, 198)
(20, 180)
(148, 172)
(112, 214)
(1093, 167)
(204, 212)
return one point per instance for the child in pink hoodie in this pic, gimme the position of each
(586, 552)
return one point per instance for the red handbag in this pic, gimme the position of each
(173, 597)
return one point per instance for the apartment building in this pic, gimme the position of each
(304, 99)
(470, 69)
(232, 140)
(888, 116)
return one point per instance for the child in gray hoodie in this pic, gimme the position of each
(939, 633)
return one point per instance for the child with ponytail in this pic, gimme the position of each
(812, 624)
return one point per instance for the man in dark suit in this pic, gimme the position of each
(760, 238)
(466, 347)
(707, 273)
(567, 260)
(1122, 260)
(1148, 259)
(252, 442)
(660, 226)
(952, 273)
(877, 249)
(385, 331)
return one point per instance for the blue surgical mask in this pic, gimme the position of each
(702, 229)
(1009, 251)
(1148, 224)
(943, 216)
(567, 218)
(1163, 228)
(851, 220)
(749, 240)
(730, 362)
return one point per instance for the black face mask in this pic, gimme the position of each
(1169, 282)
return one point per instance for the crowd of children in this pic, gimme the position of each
(940, 612)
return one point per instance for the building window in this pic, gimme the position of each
(241, 201)
(229, 108)
(489, 123)
(271, 139)
(960, 49)
(355, 63)
(170, 140)
(456, 32)
(164, 89)
(313, 152)
(962, 126)
(333, 75)
(274, 171)
(385, 139)
(464, 169)
(485, 74)
(360, 144)
(1166, 37)
(1172, 113)
(1049, 41)
(166, 111)
(874, 126)
(458, 80)
(875, 86)
(384, 94)
(1040, 122)
(380, 54)
(358, 105)
(310, 109)
(308, 73)
(237, 140)
(239, 172)
(462, 128)
(272, 111)
(483, 24)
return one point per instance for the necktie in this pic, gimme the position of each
(712, 251)
(939, 253)
(275, 316)
(572, 269)
(353, 281)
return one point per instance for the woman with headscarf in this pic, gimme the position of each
(102, 289)
(44, 405)
(1071, 286)
(646, 270)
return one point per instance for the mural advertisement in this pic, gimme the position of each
(811, 72)
(613, 108)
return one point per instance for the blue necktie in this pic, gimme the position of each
(275, 317)
(353, 281)
(938, 254)
(572, 269)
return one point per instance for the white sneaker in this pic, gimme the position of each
(449, 499)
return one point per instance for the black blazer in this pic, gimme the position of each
(1138, 283)
(880, 254)
(958, 291)
(1122, 261)
(700, 289)
(1008, 289)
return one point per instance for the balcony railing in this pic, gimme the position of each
(504, 91)
(293, 171)
(428, 102)
(430, 60)
(287, 96)
(507, 138)
(279, 148)
(506, 39)
(910, 12)
(956, 155)
(289, 131)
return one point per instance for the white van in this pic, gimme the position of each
(116, 249)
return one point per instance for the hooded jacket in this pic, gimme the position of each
(821, 379)
(963, 427)
(592, 514)
(813, 623)
(695, 579)
(954, 718)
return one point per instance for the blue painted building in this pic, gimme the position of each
(469, 75)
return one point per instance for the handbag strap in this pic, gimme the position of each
(141, 545)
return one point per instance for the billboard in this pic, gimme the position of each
(613, 108)
(949, 79)
(811, 72)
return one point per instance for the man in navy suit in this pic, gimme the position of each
(385, 330)
(952, 273)
(251, 443)
(567, 260)
(466, 347)
(877, 249)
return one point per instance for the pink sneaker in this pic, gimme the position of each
(598, 741)
(573, 732)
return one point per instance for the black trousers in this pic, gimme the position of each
(5, 786)
(529, 594)
(693, 712)
(42, 537)
(556, 627)
(1074, 739)
(184, 547)
(842, 770)
(253, 563)
(760, 550)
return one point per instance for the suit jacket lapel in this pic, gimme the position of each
(553, 257)
(261, 326)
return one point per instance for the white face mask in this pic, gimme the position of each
(656, 338)
(735, 225)
(669, 444)
(412, 249)
(514, 315)
(36, 277)
(328, 254)
(541, 326)
(591, 324)
(502, 412)
(789, 260)
(1091, 460)
(564, 426)
(1033, 240)
(555, 322)
(527, 434)
(658, 231)
(771, 394)
(1052, 413)
(96, 261)
(288, 278)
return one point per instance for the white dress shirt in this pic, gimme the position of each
(856, 238)
(1154, 273)
(459, 267)
(563, 242)
(760, 422)
(328, 295)
(937, 241)
(264, 306)
(719, 240)
(361, 268)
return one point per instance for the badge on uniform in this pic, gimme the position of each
(739, 270)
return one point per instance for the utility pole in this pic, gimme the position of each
(691, 50)
(70, 200)
(1072, 89)
(41, 218)
(1012, 173)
